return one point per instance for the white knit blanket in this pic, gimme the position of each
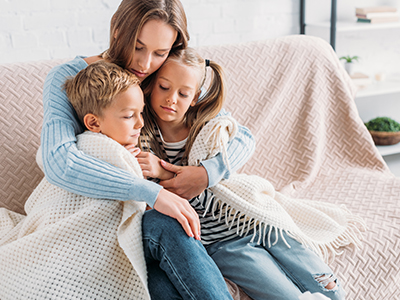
(323, 227)
(73, 247)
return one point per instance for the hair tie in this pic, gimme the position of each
(207, 62)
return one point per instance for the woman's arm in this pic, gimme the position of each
(71, 169)
(68, 168)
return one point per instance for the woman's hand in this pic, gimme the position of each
(188, 181)
(180, 209)
(151, 166)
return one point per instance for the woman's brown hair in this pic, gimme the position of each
(128, 21)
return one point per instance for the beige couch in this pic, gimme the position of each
(298, 101)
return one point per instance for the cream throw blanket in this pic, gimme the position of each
(323, 227)
(88, 248)
(92, 249)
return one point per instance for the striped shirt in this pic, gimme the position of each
(213, 226)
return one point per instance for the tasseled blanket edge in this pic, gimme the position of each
(327, 250)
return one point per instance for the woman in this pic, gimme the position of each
(142, 35)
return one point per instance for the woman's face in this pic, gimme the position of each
(152, 48)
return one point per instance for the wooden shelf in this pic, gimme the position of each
(389, 150)
(389, 86)
(346, 26)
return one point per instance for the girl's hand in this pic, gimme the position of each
(151, 166)
(180, 209)
(188, 182)
(133, 149)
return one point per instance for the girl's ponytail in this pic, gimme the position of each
(208, 106)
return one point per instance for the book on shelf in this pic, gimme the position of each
(374, 9)
(361, 80)
(378, 15)
(378, 20)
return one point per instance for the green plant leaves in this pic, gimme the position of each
(383, 124)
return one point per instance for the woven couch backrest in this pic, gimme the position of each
(276, 88)
(298, 101)
(21, 113)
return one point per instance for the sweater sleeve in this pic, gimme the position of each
(67, 167)
(239, 151)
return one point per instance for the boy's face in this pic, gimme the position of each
(122, 120)
(174, 92)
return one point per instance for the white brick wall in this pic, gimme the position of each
(45, 29)
(221, 22)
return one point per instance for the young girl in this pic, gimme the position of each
(142, 34)
(175, 112)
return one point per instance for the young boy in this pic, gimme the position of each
(108, 100)
(84, 246)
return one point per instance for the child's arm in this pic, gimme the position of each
(191, 181)
(240, 149)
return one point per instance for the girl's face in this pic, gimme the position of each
(152, 48)
(122, 120)
(175, 90)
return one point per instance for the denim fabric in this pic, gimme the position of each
(276, 273)
(178, 266)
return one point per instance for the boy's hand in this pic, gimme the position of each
(188, 182)
(133, 149)
(180, 209)
(151, 166)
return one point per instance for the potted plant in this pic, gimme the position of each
(384, 130)
(349, 63)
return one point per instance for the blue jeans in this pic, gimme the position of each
(178, 266)
(276, 273)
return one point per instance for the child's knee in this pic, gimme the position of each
(328, 281)
(330, 286)
(157, 224)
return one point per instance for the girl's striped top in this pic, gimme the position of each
(213, 226)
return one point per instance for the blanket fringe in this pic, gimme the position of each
(327, 251)
(216, 140)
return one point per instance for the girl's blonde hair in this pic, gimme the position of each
(128, 21)
(206, 108)
(94, 88)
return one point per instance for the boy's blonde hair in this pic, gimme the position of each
(206, 108)
(95, 87)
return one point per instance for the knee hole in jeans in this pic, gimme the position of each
(328, 281)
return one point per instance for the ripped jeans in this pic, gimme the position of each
(276, 273)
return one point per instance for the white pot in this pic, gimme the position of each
(349, 66)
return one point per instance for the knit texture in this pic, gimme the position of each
(73, 247)
(323, 227)
(294, 95)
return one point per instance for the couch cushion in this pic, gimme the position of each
(21, 114)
